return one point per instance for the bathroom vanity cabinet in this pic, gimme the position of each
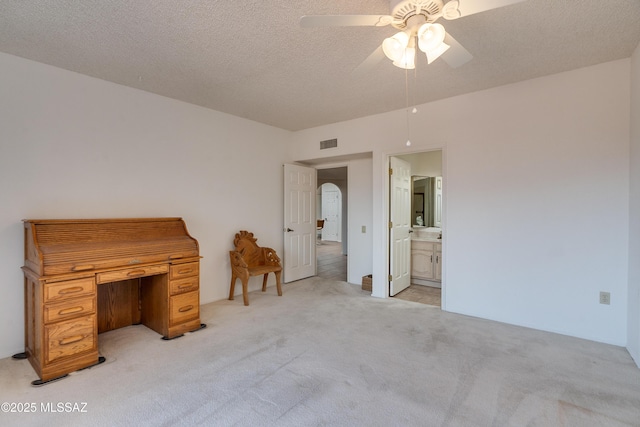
(426, 260)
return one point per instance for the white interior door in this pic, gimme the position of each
(400, 225)
(331, 212)
(299, 222)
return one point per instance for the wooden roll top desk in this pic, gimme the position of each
(84, 277)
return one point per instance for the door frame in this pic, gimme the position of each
(381, 287)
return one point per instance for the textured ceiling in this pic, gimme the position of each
(250, 58)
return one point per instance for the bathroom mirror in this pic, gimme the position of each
(426, 205)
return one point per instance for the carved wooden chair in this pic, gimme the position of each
(248, 259)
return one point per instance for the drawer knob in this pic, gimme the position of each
(71, 290)
(72, 310)
(185, 271)
(184, 286)
(185, 308)
(71, 340)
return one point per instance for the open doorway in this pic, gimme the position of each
(331, 210)
(424, 207)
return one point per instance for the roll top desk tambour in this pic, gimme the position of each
(84, 277)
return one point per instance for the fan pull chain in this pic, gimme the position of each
(415, 87)
(406, 93)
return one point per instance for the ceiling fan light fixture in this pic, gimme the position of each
(394, 46)
(430, 37)
(408, 59)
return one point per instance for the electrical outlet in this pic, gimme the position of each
(605, 298)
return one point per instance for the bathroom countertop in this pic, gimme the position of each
(425, 239)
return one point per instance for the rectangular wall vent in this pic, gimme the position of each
(328, 143)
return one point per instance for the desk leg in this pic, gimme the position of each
(202, 326)
(38, 383)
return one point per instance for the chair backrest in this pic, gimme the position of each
(246, 244)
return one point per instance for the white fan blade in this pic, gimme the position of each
(345, 20)
(369, 63)
(456, 55)
(469, 7)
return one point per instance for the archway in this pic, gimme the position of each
(329, 209)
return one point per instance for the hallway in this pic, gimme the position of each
(331, 263)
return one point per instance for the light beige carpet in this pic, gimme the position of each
(327, 353)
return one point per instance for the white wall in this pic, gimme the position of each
(72, 146)
(536, 197)
(428, 163)
(360, 214)
(634, 213)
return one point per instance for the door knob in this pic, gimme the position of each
(289, 230)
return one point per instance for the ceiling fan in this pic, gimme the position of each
(416, 20)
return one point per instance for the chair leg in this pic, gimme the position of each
(264, 282)
(245, 292)
(277, 273)
(232, 287)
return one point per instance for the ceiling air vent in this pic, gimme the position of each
(328, 143)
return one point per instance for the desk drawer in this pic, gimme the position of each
(64, 339)
(132, 273)
(60, 291)
(184, 285)
(184, 270)
(184, 307)
(69, 309)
